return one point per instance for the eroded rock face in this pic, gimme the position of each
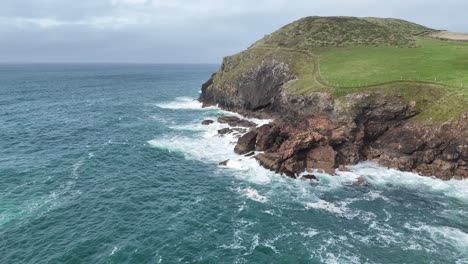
(246, 143)
(267, 136)
(317, 131)
(363, 129)
(241, 92)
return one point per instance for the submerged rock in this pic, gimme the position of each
(225, 131)
(207, 122)
(309, 177)
(223, 163)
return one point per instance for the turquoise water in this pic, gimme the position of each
(109, 164)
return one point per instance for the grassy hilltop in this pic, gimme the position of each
(342, 55)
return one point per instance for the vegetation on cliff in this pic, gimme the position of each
(347, 90)
(343, 55)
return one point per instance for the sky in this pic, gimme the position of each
(179, 31)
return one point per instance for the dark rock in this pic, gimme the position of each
(223, 163)
(310, 177)
(269, 161)
(292, 166)
(234, 121)
(322, 157)
(225, 131)
(361, 181)
(298, 143)
(246, 143)
(240, 130)
(317, 131)
(250, 154)
(228, 119)
(207, 122)
(254, 90)
(245, 123)
(267, 136)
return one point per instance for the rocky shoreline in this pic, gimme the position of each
(317, 132)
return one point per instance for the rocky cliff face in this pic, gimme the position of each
(242, 92)
(317, 131)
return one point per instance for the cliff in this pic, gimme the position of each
(327, 116)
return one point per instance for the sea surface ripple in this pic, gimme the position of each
(110, 164)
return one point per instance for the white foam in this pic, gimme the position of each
(114, 250)
(450, 235)
(310, 233)
(181, 103)
(327, 206)
(252, 194)
(382, 177)
(205, 145)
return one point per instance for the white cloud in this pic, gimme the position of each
(128, 2)
(95, 22)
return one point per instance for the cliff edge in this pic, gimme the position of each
(344, 90)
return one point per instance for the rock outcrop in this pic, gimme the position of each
(319, 130)
(246, 143)
(361, 126)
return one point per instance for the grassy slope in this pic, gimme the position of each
(344, 55)
(432, 60)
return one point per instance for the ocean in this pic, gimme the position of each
(110, 164)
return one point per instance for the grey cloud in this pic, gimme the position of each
(178, 30)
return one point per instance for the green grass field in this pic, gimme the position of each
(432, 60)
(342, 55)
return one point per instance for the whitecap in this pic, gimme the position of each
(114, 250)
(382, 178)
(327, 206)
(181, 103)
(310, 233)
(252, 194)
(447, 234)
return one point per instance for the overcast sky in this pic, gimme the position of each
(178, 31)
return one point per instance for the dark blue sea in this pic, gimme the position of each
(109, 164)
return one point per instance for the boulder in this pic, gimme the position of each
(228, 119)
(207, 122)
(300, 142)
(243, 123)
(240, 130)
(266, 138)
(225, 131)
(269, 161)
(361, 181)
(246, 143)
(309, 177)
(223, 163)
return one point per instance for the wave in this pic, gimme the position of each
(182, 103)
(41, 205)
(252, 194)
(204, 144)
(383, 178)
(443, 234)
